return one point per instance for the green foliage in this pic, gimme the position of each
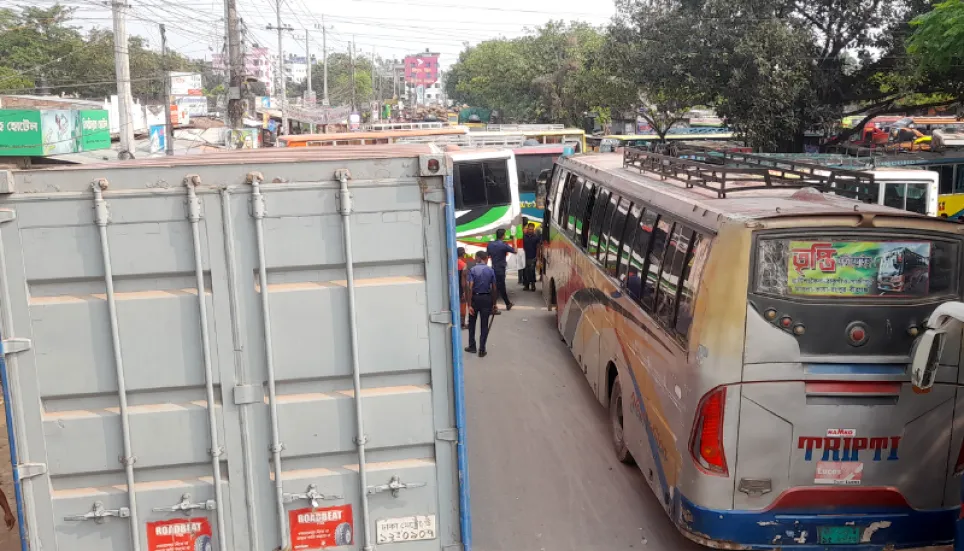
(39, 47)
(555, 74)
(340, 81)
(937, 46)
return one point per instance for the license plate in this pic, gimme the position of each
(838, 535)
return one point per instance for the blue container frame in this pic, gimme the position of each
(458, 380)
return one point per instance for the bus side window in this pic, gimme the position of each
(632, 223)
(654, 262)
(604, 232)
(671, 276)
(574, 213)
(637, 265)
(598, 216)
(616, 236)
(584, 217)
(469, 186)
(497, 182)
(559, 195)
(692, 274)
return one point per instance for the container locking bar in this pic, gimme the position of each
(312, 494)
(394, 486)
(185, 506)
(98, 514)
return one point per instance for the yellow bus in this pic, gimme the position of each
(366, 138)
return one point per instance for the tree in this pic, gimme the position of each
(340, 81)
(556, 74)
(937, 46)
(775, 69)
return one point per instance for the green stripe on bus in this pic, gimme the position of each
(488, 218)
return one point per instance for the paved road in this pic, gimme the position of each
(543, 475)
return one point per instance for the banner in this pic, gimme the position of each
(94, 128)
(186, 84)
(858, 268)
(20, 133)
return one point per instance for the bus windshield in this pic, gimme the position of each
(910, 196)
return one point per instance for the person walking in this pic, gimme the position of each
(481, 289)
(498, 250)
(462, 273)
(531, 242)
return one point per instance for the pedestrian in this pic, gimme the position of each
(481, 289)
(498, 250)
(531, 243)
(462, 274)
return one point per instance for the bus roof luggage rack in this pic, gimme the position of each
(727, 178)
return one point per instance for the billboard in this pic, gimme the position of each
(186, 84)
(196, 106)
(858, 268)
(36, 133)
(422, 69)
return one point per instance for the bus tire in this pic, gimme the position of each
(616, 424)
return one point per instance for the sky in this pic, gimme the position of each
(389, 28)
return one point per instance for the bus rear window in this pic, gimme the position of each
(856, 268)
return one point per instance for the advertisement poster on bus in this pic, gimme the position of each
(193, 534)
(321, 528)
(858, 268)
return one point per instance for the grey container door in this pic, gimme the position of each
(74, 453)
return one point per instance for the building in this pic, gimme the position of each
(421, 78)
(296, 68)
(257, 65)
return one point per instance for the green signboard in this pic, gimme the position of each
(20, 133)
(94, 130)
(37, 133)
(859, 268)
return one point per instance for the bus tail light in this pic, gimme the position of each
(959, 465)
(706, 444)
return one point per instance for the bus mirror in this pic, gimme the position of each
(925, 356)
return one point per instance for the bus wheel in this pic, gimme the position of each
(616, 422)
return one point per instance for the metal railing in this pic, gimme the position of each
(725, 178)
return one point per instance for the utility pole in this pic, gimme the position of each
(282, 84)
(122, 67)
(235, 106)
(374, 77)
(351, 61)
(324, 59)
(168, 128)
(308, 61)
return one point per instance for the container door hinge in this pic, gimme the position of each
(434, 196)
(444, 317)
(30, 470)
(449, 435)
(7, 215)
(15, 345)
(248, 394)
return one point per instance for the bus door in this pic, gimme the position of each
(829, 421)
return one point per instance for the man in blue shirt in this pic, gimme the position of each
(480, 283)
(531, 241)
(498, 250)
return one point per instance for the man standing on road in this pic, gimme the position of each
(498, 250)
(481, 296)
(531, 242)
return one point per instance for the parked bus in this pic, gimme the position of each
(486, 197)
(380, 137)
(531, 163)
(750, 366)
(540, 134)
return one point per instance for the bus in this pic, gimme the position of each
(375, 137)
(539, 134)
(486, 197)
(903, 187)
(750, 367)
(531, 163)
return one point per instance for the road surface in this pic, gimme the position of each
(543, 476)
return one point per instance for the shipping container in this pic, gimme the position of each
(235, 351)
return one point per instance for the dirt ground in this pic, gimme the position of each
(9, 540)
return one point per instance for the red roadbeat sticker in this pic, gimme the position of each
(321, 528)
(192, 534)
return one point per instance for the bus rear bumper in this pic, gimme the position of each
(781, 529)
